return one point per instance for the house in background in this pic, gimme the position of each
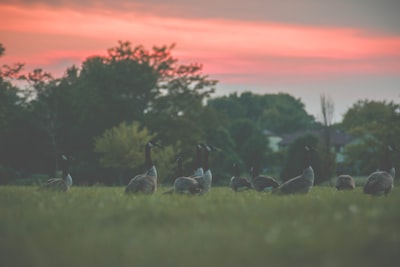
(339, 140)
(273, 140)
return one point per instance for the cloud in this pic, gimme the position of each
(372, 16)
(224, 46)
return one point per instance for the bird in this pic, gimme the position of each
(345, 182)
(60, 184)
(302, 183)
(206, 179)
(238, 183)
(381, 182)
(198, 168)
(183, 184)
(145, 183)
(262, 183)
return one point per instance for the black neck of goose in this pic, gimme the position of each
(148, 160)
(205, 167)
(198, 157)
(236, 170)
(387, 163)
(307, 158)
(253, 172)
(64, 168)
(180, 167)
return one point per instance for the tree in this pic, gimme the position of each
(294, 163)
(279, 113)
(375, 124)
(328, 157)
(15, 131)
(121, 147)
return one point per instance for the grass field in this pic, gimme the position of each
(100, 226)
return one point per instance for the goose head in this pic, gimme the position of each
(151, 144)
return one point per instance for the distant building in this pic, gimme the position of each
(273, 139)
(339, 140)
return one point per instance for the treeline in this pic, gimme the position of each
(102, 112)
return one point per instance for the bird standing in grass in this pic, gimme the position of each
(145, 183)
(262, 183)
(60, 184)
(205, 180)
(198, 165)
(238, 183)
(381, 182)
(302, 183)
(183, 184)
(345, 182)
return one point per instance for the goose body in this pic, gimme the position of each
(302, 183)
(183, 184)
(381, 182)
(187, 185)
(238, 183)
(60, 184)
(345, 182)
(145, 183)
(263, 183)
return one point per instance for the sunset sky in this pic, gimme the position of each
(347, 49)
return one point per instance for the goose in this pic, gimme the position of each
(206, 179)
(381, 182)
(184, 185)
(60, 184)
(302, 183)
(261, 182)
(238, 183)
(199, 169)
(147, 182)
(345, 182)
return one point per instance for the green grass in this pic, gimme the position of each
(100, 226)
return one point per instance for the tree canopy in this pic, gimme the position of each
(104, 111)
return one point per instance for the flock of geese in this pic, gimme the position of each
(379, 182)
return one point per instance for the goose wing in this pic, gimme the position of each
(262, 182)
(345, 182)
(141, 184)
(187, 185)
(240, 183)
(56, 184)
(378, 183)
(295, 185)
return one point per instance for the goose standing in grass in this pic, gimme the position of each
(145, 183)
(262, 183)
(381, 182)
(206, 179)
(345, 182)
(302, 183)
(60, 184)
(198, 166)
(183, 184)
(238, 183)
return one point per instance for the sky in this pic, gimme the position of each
(348, 50)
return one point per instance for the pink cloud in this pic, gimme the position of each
(46, 35)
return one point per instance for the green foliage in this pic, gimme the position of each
(294, 163)
(279, 113)
(101, 226)
(122, 147)
(375, 124)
